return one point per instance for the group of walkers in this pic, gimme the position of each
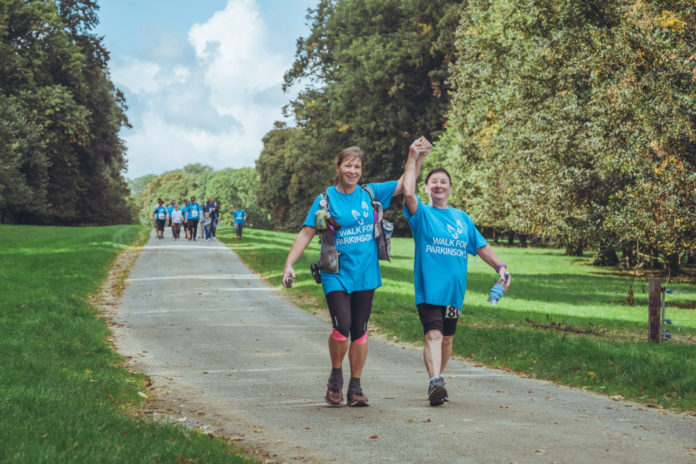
(444, 237)
(190, 216)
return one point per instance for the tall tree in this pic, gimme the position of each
(55, 72)
(565, 114)
(374, 75)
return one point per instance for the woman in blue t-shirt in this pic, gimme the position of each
(348, 292)
(160, 215)
(444, 237)
(239, 219)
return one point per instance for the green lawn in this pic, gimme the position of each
(63, 395)
(548, 289)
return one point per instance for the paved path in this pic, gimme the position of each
(230, 353)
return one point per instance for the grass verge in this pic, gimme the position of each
(562, 320)
(63, 396)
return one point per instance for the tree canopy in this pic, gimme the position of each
(372, 74)
(63, 159)
(228, 187)
(574, 121)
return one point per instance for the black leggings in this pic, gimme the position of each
(193, 227)
(350, 312)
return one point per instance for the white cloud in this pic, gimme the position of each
(140, 77)
(234, 51)
(210, 110)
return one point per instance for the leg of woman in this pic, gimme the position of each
(446, 351)
(337, 351)
(194, 228)
(361, 307)
(339, 309)
(432, 352)
(434, 327)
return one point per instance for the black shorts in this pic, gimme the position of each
(160, 223)
(350, 311)
(442, 318)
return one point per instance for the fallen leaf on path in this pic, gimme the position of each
(374, 436)
(540, 452)
(142, 395)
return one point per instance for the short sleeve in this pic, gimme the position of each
(476, 240)
(384, 191)
(309, 220)
(414, 219)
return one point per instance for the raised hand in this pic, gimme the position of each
(420, 148)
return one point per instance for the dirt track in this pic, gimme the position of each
(229, 354)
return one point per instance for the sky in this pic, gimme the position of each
(202, 79)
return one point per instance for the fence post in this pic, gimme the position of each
(655, 311)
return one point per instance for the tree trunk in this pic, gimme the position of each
(628, 257)
(575, 249)
(523, 240)
(606, 256)
(511, 238)
(672, 264)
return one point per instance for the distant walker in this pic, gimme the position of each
(239, 219)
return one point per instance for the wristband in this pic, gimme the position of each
(499, 267)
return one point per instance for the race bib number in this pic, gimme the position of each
(194, 214)
(452, 313)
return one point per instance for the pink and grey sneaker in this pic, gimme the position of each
(333, 397)
(357, 399)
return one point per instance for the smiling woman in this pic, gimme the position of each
(443, 236)
(348, 269)
(202, 79)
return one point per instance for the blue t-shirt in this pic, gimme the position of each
(160, 213)
(442, 237)
(239, 216)
(355, 240)
(194, 211)
(170, 209)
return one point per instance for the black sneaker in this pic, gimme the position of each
(436, 391)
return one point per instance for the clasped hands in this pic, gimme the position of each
(420, 147)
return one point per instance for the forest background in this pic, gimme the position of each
(567, 123)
